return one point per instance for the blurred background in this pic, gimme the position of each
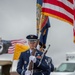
(18, 19)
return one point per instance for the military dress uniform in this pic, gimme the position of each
(45, 66)
(43, 69)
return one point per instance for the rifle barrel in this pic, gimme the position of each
(44, 53)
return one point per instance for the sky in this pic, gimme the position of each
(18, 19)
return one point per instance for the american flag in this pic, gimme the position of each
(60, 9)
(14, 42)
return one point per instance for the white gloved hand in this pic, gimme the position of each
(33, 58)
(28, 72)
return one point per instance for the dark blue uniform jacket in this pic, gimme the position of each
(45, 67)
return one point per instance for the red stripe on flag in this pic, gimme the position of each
(13, 42)
(18, 41)
(71, 1)
(44, 22)
(59, 4)
(11, 52)
(56, 13)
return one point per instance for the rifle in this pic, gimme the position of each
(44, 53)
(31, 64)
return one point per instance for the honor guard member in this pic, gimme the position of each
(25, 58)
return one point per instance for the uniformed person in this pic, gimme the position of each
(25, 58)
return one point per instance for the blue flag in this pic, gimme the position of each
(44, 33)
(42, 24)
(38, 14)
(39, 2)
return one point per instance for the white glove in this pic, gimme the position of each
(28, 72)
(33, 58)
